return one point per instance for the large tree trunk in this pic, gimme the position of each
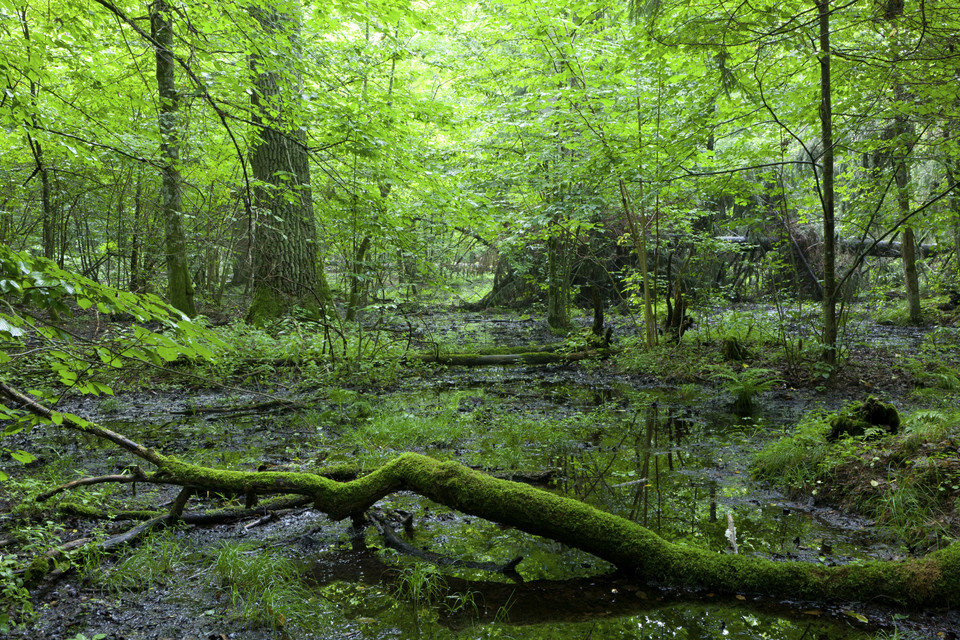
(284, 247)
(179, 288)
(931, 581)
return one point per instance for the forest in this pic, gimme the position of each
(479, 319)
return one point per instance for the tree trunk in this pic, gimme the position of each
(284, 247)
(137, 283)
(953, 172)
(638, 231)
(903, 145)
(179, 288)
(911, 281)
(357, 274)
(48, 217)
(558, 284)
(48, 221)
(908, 253)
(829, 337)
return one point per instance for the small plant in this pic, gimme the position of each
(421, 586)
(267, 589)
(110, 405)
(152, 563)
(15, 604)
(745, 386)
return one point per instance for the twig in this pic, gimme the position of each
(136, 475)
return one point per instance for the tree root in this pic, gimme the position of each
(930, 581)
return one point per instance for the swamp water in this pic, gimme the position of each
(672, 459)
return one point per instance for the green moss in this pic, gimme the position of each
(266, 306)
(860, 418)
(80, 510)
(37, 571)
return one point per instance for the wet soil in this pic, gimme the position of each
(671, 458)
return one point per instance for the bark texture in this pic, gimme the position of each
(829, 355)
(179, 287)
(284, 249)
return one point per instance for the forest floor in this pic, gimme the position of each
(575, 427)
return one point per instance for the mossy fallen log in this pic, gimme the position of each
(494, 359)
(930, 581)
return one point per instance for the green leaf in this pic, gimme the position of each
(9, 329)
(77, 420)
(856, 616)
(22, 457)
(168, 353)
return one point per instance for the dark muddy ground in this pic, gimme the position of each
(698, 447)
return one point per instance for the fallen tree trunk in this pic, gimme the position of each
(930, 581)
(488, 359)
(878, 249)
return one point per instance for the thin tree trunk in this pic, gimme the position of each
(903, 146)
(558, 287)
(829, 354)
(48, 219)
(136, 274)
(638, 231)
(179, 288)
(48, 222)
(357, 274)
(953, 171)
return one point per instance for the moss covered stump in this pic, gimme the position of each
(864, 418)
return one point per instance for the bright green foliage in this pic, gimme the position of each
(449, 134)
(16, 606)
(40, 300)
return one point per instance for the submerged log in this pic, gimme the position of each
(930, 581)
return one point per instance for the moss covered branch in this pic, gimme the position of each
(499, 359)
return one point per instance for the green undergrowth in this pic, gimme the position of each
(155, 561)
(936, 310)
(686, 362)
(479, 427)
(263, 588)
(908, 482)
(267, 588)
(725, 341)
